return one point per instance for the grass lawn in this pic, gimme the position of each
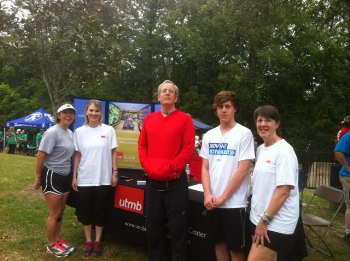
(334, 238)
(23, 214)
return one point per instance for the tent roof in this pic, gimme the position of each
(200, 125)
(40, 119)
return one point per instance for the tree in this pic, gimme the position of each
(71, 44)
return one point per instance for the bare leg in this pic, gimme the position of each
(56, 205)
(260, 253)
(99, 231)
(87, 232)
(222, 253)
(237, 256)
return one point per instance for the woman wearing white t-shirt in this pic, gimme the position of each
(275, 202)
(95, 172)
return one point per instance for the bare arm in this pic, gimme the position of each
(277, 201)
(40, 159)
(235, 183)
(342, 160)
(114, 167)
(77, 159)
(208, 197)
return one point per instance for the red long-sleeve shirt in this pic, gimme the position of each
(166, 144)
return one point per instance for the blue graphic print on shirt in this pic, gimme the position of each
(220, 149)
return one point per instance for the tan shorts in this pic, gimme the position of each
(345, 181)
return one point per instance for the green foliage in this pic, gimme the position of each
(13, 105)
(290, 54)
(69, 44)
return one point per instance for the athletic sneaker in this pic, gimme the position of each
(57, 251)
(65, 246)
(88, 249)
(97, 249)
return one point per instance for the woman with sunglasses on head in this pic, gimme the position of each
(53, 165)
(275, 202)
(95, 173)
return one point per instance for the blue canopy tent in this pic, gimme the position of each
(40, 119)
(200, 125)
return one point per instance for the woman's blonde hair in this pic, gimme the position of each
(98, 105)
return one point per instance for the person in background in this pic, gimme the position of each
(342, 152)
(95, 173)
(1, 140)
(275, 202)
(197, 145)
(18, 135)
(227, 152)
(53, 165)
(23, 141)
(38, 139)
(343, 130)
(11, 141)
(165, 147)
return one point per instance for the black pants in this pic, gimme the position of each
(171, 206)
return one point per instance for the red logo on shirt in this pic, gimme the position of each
(129, 198)
(268, 161)
(102, 137)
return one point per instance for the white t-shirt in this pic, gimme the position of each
(95, 146)
(223, 153)
(275, 166)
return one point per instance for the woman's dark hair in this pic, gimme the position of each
(225, 96)
(269, 112)
(57, 120)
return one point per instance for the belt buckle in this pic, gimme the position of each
(167, 187)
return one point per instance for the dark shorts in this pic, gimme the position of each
(23, 147)
(52, 182)
(12, 148)
(92, 204)
(227, 225)
(280, 243)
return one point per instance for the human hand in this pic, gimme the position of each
(114, 181)
(75, 184)
(218, 201)
(37, 183)
(260, 234)
(209, 202)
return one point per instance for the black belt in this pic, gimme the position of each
(163, 186)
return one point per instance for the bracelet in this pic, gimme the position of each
(265, 221)
(114, 169)
(267, 216)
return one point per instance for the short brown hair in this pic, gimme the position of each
(225, 96)
(269, 112)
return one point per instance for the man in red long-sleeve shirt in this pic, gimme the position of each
(165, 146)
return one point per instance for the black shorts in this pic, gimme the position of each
(92, 204)
(280, 243)
(52, 182)
(227, 225)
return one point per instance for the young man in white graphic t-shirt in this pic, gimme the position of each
(227, 152)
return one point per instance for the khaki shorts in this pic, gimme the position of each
(345, 181)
